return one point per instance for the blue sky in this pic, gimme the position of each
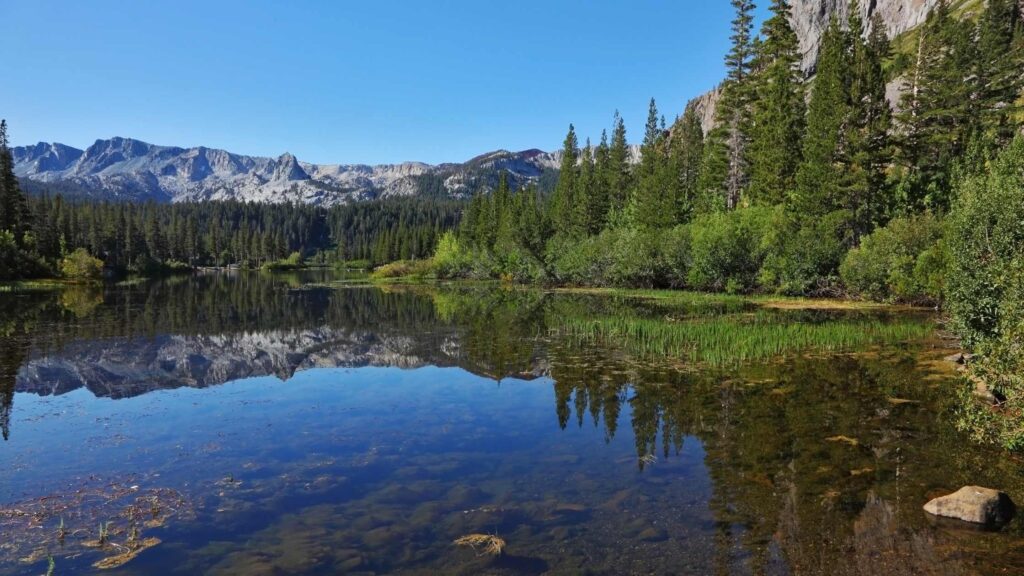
(341, 81)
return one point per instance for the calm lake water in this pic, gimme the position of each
(291, 424)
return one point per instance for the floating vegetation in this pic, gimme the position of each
(648, 459)
(843, 440)
(132, 549)
(109, 517)
(731, 340)
(483, 544)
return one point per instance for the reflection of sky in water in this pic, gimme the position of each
(340, 413)
(431, 430)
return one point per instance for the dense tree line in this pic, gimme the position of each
(807, 185)
(795, 173)
(38, 233)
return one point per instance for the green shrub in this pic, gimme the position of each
(727, 249)
(802, 255)
(514, 263)
(16, 263)
(984, 237)
(675, 253)
(81, 266)
(632, 258)
(404, 268)
(294, 261)
(451, 258)
(985, 290)
(579, 262)
(903, 261)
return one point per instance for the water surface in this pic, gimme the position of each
(260, 424)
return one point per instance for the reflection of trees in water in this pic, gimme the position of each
(808, 457)
(19, 315)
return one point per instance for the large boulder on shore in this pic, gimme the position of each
(974, 504)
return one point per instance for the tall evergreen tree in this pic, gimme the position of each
(652, 204)
(14, 212)
(817, 179)
(564, 204)
(585, 190)
(935, 122)
(866, 138)
(998, 61)
(599, 196)
(778, 110)
(686, 152)
(726, 170)
(617, 171)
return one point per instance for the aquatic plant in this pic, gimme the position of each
(50, 567)
(731, 340)
(104, 534)
(483, 544)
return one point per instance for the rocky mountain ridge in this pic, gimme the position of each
(127, 169)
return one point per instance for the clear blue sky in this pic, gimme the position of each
(375, 81)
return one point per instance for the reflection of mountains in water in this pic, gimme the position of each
(127, 368)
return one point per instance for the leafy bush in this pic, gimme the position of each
(16, 263)
(727, 249)
(802, 255)
(451, 258)
(293, 262)
(516, 264)
(984, 239)
(81, 266)
(579, 263)
(632, 258)
(985, 290)
(675, 253)
(404, 268)
(902, 261)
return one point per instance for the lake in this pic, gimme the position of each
(297, 424)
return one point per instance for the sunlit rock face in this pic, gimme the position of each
(810, 18)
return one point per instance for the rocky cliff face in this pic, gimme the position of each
(123, 168)
(810, 18)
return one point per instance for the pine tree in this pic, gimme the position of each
(935, 122)
(867, 130)
(564, 204)
(725, 168)
(599, 199)
(617, 174)
(14, 213)
(817, 179)
(778, 110)
(686, 152)
(999, 59)
(651, 202)
(585, 190)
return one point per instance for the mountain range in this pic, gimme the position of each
(127, 169)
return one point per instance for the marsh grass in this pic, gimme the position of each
(731, 340)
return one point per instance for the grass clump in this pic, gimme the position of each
(735, 339)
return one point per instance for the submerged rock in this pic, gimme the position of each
(974, 504)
